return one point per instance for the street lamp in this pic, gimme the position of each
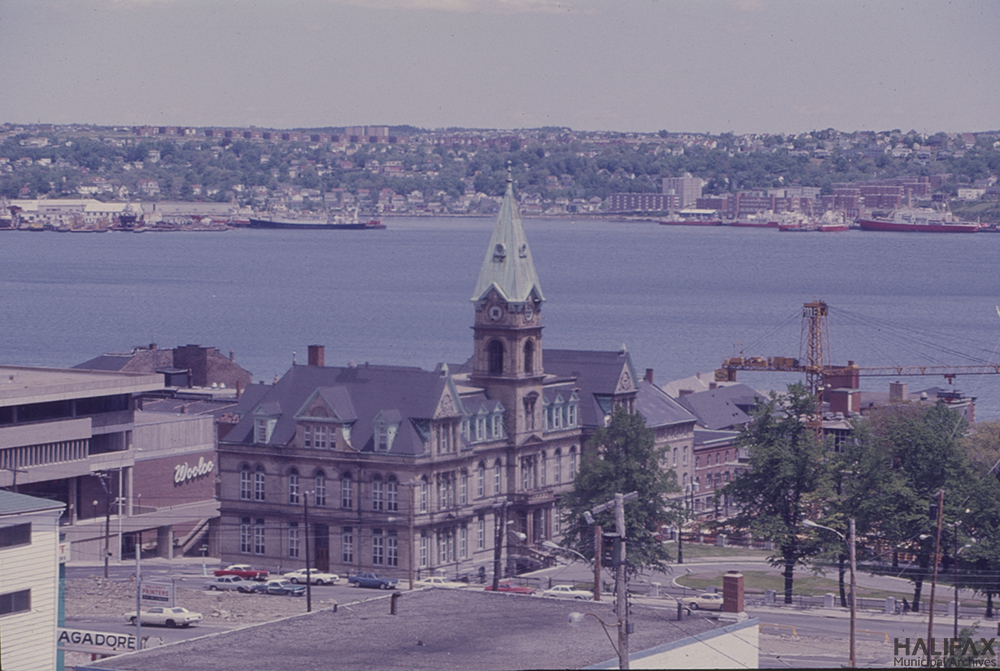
(851, 545)
(958, 551)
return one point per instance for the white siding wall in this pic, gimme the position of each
(28, 640)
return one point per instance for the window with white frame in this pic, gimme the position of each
(424, 543)
(392, 494)
(293, 539)
(466, 429)
(571, 414)
(481, 533)
(307, 435)
(378, 547)
(319, 493)
(498, 425)
(258, 484)
(347, 545)
(557, 467)
(481, 480)
(378, 494)
(481, 428)
(572, 463)
(293, 486)
(346, 491)
(497, 477)
(556, 521)
(320, 436)
(246, 536)
(463, 542)
(258, 537)
(391, 549)
(463, 488)
(15, 602)
(246, 484)
(423, 495)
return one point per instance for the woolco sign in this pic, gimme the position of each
(184, 472)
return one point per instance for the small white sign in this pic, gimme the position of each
(156, 594)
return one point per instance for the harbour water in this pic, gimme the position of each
(680, 299)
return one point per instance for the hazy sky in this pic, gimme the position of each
(628, 65)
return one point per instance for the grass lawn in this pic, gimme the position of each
(699, 550)
(806, 584)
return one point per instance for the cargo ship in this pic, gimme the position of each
(303, 224)
(918, 221)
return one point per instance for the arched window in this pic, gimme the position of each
(293, 486)
(494, 353)
(246, 484)
(346, 489)
(497, 478)
(557, 474)
(529, 356)
(572, 463)
(481, 480)
(423, 495)
(258, 484)
(391, 494)
(319, 496)
(378, 493)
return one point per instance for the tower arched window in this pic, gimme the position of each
(529, 356)
(494, 353)
(258, 484)
(293, 486)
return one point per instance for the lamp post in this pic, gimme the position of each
(851, 544)
(500, 520)
(958, 550)
(937, 555)
(305, 515)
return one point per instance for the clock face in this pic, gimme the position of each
(496, 312)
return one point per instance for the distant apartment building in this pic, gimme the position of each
(687, 188)
(643, 202)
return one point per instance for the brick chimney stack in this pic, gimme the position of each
(316, 355)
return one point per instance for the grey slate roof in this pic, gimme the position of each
(597, 375)
(723, 407)
(12, 503)
(657, 408)
(358, 394)
(508, 267)
(439, 629)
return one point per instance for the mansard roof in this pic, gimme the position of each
(356, 396)
(723, 407)
(598, 375)
(508, 268)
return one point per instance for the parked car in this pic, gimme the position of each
(438, 581)
(706, 601)
(170, 617)
(316, 577)
(510, 587)
(282, 587)
(230, 583)
(568, 592)
(244, 571)
(372, 581)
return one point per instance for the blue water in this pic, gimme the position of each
(680, 298)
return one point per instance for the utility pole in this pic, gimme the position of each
(500, 517)
(305, 515)
(622, 587)
(107, 533)
(854, 612)
(937, 551)
(138, 593)
(598, 536)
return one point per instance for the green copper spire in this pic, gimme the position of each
(508, 267)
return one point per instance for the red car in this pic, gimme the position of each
(244, 571)
(510, 587)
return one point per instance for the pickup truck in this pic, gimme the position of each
(244, 571)
(372, 581)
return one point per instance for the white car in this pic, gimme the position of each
(706, 601)
(438, 581)
(231, 583)
(568, 592)
(316, 577)
(170, 617)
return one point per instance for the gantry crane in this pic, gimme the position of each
(820, 374)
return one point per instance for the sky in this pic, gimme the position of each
(710, 66)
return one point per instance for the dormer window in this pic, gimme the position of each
(481, 427)
(498, 424)
(264, 427)
(385, 427)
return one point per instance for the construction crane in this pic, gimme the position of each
(822, 375)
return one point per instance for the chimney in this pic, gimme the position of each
(316, 355)
(684, 392)
(152, 345)
(649, 375)
(898, 392)
(732, 592)
(232, 355)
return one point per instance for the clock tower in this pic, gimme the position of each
(508, 324)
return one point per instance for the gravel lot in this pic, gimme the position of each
(100, 597)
